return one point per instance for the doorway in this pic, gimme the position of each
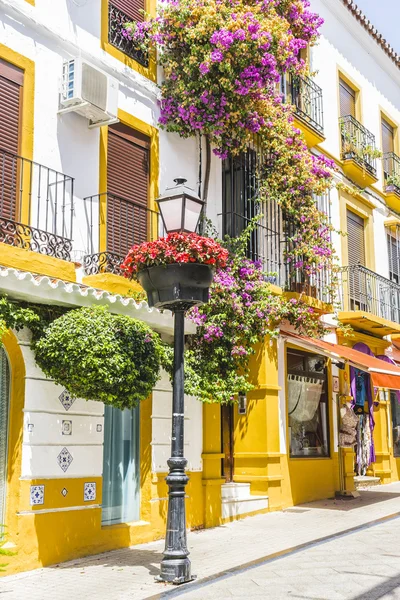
(227, 425)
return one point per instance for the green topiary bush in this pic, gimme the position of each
(100, 356)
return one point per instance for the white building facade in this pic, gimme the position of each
(83, 193)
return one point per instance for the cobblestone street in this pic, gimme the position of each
(324, 550)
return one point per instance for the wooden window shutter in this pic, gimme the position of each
(11, 82)
(128, 167)
(132, 8)
(347, 99)
(387, 137)
(355, 239)
(394, 257)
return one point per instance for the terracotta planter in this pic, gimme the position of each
(179, 284)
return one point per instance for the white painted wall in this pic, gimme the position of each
(51, 32)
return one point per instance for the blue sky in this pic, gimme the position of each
(385, 15)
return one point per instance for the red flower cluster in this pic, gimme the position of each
(175, 248)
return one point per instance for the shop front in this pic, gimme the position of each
(364, 398)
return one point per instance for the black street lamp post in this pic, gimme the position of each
(177, 287)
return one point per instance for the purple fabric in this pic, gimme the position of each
(361, 347)
(353, 388)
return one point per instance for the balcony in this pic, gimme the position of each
(369, 302)
(303, 93)
(358, 152)
(114, 224)
(391, 175)
(265, 241)
(36, 207)
(116, 21)
(315, 286)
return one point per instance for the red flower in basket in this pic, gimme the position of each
(175, 248)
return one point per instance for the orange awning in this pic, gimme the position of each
(383, 374)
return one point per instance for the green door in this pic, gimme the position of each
(121, 487)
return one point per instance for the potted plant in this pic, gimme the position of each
(176, 268)
(392, 183)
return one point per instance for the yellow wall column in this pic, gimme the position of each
(382, 465)
(257, 458)
(212, 455)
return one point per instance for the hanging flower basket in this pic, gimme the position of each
(171, 285)
(177, 270)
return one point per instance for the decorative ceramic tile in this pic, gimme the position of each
(64, 459)
(66, 427)
(99, 428)
(37, 494)
(30, 427)
(64, 492)
(89, 492)
(66, 399)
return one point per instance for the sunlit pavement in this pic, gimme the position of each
(325, 550)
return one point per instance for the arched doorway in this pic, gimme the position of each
(4, 417)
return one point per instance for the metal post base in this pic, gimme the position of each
(343, 495)
(175, 571)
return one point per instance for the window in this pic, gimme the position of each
(395, 405)
(121, 487)
(4, 408)
(119, 13)
(347, 99)
(128, 168)
(240, 205)
(387, 137)
(307, 404)
(355, 239)
(11, 84)
(393, 241)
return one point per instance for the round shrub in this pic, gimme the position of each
(100, 356)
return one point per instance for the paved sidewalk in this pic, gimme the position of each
(129, 573)
(364, 565)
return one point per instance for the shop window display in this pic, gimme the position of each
(395, 405)
(307, 404)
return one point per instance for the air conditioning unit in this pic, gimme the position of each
(89, 92)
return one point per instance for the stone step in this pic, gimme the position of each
(233, 507)
(235, 490)
(365, 481)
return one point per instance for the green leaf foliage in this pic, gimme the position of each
(96, 355)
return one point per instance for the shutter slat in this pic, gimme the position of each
(387, 137)
(394, 257)
(132, 8)
(10, 109)
(347, 99)
(355, 239)
(128, 180)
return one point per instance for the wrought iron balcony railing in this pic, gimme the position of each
(123, 222)
(358, 143)
(36, 206)
(306, 96)
(315, 285)
(391, 171)
(362, 289)
(264, 244)
(118, 37)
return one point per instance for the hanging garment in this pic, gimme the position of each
(348, 427)
(364, 444)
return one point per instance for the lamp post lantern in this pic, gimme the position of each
(180, 208)
(178, 288)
